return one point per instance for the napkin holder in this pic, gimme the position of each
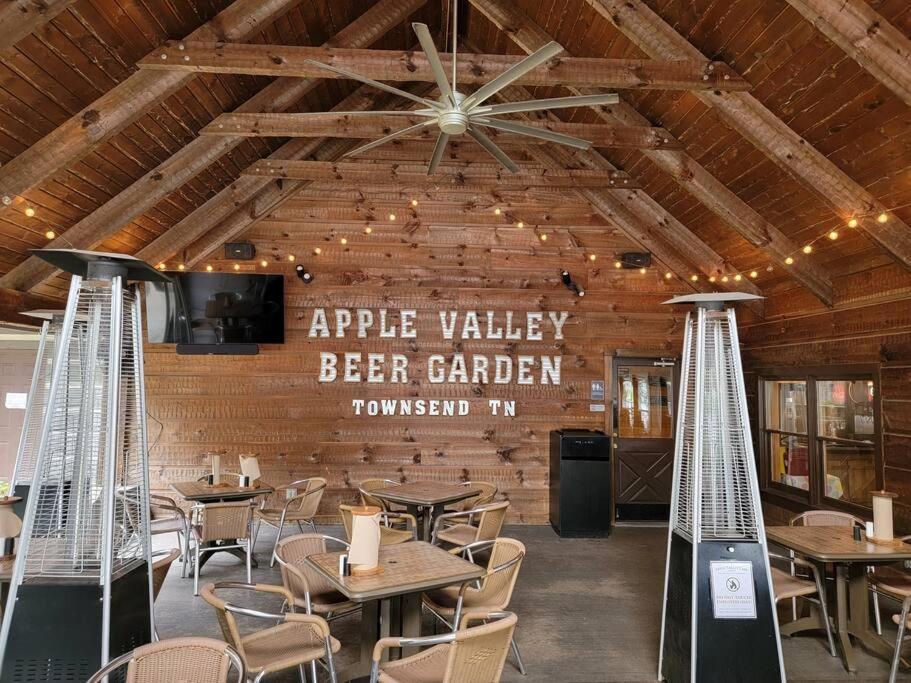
(10, 526)
(364, 552)
(882, 518)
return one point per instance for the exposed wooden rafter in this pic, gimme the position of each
(684, 169)
(749, 117)
(190, 160)
(13, 303)
(18, 18)
(125, 102)
(391, 65)
(368, 127)
(866, 37)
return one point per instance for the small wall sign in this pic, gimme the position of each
(733, 595)
(597, 390)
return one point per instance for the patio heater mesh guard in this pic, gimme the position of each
(719, 620)
(81, 591)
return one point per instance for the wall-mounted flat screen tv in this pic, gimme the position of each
(216, 308)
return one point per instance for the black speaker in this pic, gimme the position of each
(227, 349)
(636, 259)
(243, 251)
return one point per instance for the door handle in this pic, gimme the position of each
(615, 444)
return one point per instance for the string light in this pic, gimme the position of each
(264, 263)
(208, 269)
(496, 211)
(738, 277)
(291, 257)
(833, 235)
(668, 275)
(617, 264)
(368, 230)
(344, 241)
(789, 260)
(236, 266)
(642, 271)
(181, 266)
(724, 278)
(392, 216)
(50, 234)
(520, 224)
(754, 274)
(807, 249)
(29, 211)
(592, 257)
(161, 266)
(882, 218)
(542, 237)
(852, 223)
(414, 202)
(317, 251)
(711, 278)
(694, 277)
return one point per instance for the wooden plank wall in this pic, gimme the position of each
(443, 255)
(870, 324)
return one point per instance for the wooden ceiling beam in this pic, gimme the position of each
(448, 175)
(769, 134)
(368, 127)
(692, 176)
(866, 37)
(200, 153)
(19, 18)
(409, 65)
(125, 102)
(14, 303)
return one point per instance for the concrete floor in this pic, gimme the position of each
(589, 610)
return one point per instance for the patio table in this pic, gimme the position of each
(391, 599)
(431, 496)
(836, 545)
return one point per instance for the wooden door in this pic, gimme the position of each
(644, 400)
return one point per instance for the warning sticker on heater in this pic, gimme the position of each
(733, 596)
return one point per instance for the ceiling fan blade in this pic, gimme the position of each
(438, 150)
(376, 84)
(493, 150)
(344, 114)
(515, 72)
(540, 133)
(553, 103)
(436, 65)
(392, 136)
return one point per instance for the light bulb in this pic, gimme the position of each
(724, 278)
(29, 211)
(882, 218)
(497, 212)
(291, 257)
(617, 264)
(852, 223)
(50, 234)
(161, 266)
(711, 278)
(414, 202)
(317, 251)
(833, 235)
(592, 257)
(754, 274)
(208, 269)
(642, 271)
(392, 216)
(543, 237)
(264, 263)
(344, 240)
(236, 266)
(668, 275)
(738, 277)
(520, 224)
(181, 266)
(807, 249)
(368, 230)
(694, 277)
(789, 260)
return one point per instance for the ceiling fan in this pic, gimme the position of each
(456, 113)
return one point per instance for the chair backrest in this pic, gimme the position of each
(369, 485)
(226, 621)
(478, 653)
(294, 551)
(487, 494)
(496, 589)
(225, 521)
(201, 660)
(311, 493)
(825, 518)
(347, 519)
(490, 520)
(160, 567)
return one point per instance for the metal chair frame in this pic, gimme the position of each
(281, 523)
(247, 547)
(820, 590)
(440, 521)
(279, 618)
(183, 537)
(368, 499)
(432, 640)
(127, 657)
(467, 551)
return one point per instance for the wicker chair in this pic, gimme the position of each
(226, 524)
(492, 592)
(471, 653)
(161, 563)
(173, 520)
(482, 523)
(487, 495)
(834, 518)
(309, 589)
(201, 660)
(291, 640)
(787, 585)
(389, 535)
(895, 583)
(299, 508)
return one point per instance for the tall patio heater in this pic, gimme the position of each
(719, 621)
(24, 468)
(81, 591)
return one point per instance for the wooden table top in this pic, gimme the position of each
(425, 493)
(836, 544)
(203, 492)
(407, 568)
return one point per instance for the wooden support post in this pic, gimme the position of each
(190, 160)
(769, 134)
(684, 169)
(866, 37)
(127, 101)
(475, 69)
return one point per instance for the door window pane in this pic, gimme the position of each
(790, 460)
(786, 406)
(645, 402)
(846, 429)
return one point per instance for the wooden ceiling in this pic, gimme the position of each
(111, 156)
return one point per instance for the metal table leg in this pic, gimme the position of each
(841, 617)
